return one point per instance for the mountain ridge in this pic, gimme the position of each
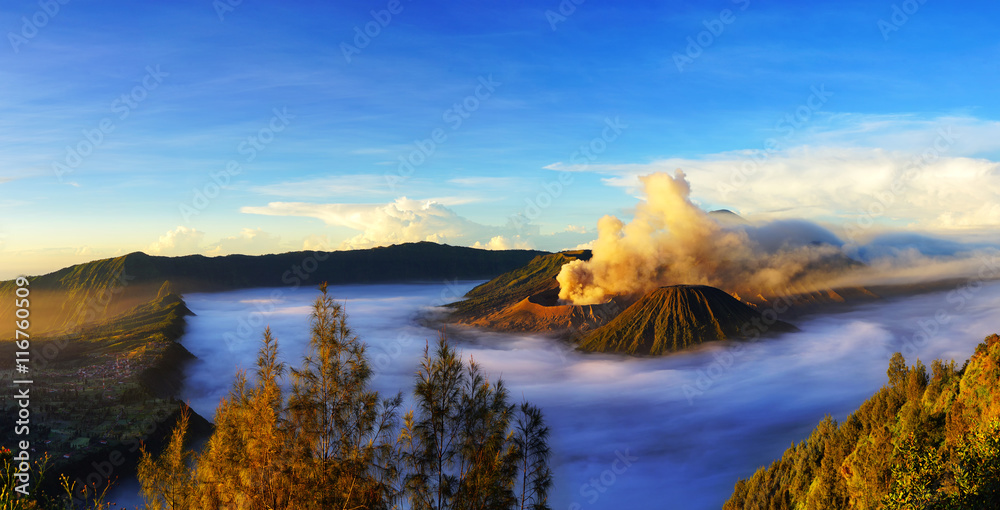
(82, 293)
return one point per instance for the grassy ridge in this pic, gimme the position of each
(105, 388)
(536, 276)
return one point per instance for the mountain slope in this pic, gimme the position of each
(924, 440)
(508, 289)
(673, 318)
(87, 292)
(108, 386)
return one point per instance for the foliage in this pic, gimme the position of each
(536, 276)
(923, 441)
(336, 443)
(71, 498)
(102, 390)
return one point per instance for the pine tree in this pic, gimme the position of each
(432, 437)
(342, 433)
(466, 446)
(531, 439)
(167, 482)
(487, 454)
(264, 435)
(242, 465)
(225, 451)
(334, 443)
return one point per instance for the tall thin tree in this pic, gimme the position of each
(531, 437)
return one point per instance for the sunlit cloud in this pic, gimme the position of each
(898, 171)
(504, 243)
(248, 242)
(179, 241)
(407, 220)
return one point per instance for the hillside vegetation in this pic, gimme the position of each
(926, 440)
(537, 276)
(104, 389)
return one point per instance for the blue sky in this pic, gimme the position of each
(201, 82)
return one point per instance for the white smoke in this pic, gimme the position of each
(670, 240)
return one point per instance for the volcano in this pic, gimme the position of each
(676, 317)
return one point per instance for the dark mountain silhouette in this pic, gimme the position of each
(86, 292)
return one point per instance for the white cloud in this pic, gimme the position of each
(406, 220)
(401, 221)
(893, 188)
(906, 133)
(504, 243)
(374, 187)
(179, 241)
(318, 242)
(248, 242)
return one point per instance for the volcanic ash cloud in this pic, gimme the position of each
(672, 241)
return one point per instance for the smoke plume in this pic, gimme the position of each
(672, 241)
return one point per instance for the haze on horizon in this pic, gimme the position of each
(203, 127)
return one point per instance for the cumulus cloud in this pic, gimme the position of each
(833, 184)
(406, 220)
(401, 221)
(318, 242)
(890, 171)
(188, 241)
(248, 242)
(504, 243)
(179, 241)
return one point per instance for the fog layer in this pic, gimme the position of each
(673, 432)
